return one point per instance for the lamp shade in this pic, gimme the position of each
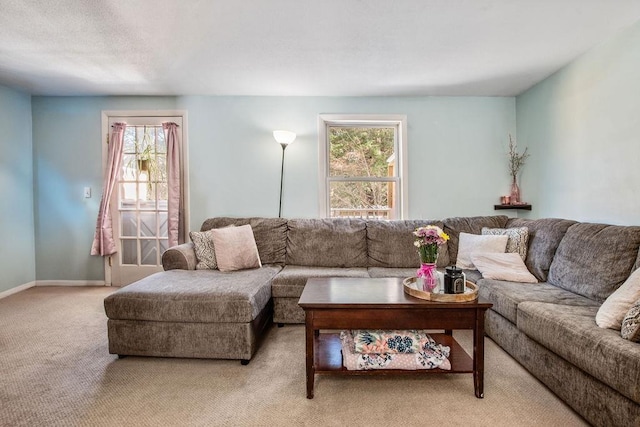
(284, 137)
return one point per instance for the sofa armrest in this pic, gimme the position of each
(181, 257)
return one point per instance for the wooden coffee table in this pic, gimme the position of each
(354, 303)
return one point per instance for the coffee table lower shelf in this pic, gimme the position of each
(328, 358)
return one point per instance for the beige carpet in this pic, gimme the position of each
(55, 370)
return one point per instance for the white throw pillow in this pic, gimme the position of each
(475, 243)
(508, 266)
(611, 313)
(235, 248)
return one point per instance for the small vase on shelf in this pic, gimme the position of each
(514, 198)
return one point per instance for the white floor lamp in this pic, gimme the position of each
(284, 138)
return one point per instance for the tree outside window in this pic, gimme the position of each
(362, 177)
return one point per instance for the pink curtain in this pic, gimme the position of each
(175, 222)
(103, 242)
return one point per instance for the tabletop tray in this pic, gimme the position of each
(470, 294)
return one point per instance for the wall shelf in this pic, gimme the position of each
(526, 207)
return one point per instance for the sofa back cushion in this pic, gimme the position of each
(544, 237)
(328, 242)
(270, 235)
(593, 260)
(390, 243)
(472, 225)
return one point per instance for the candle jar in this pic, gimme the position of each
(454, 280)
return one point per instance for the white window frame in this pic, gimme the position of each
(398, 121)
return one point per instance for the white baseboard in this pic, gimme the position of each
(17, 289)
(70, 283)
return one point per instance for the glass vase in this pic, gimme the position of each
(515, 192)
(427, 277)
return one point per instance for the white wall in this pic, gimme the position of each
(17, 256)
(582, 126)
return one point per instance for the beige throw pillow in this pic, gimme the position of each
(612, 312)
(235, 248)
(203, 246)
(475, 243)
(508, 266)
(518, 238)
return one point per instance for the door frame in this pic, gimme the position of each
(106, 133)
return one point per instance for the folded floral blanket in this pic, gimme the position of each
(379, 341)
(431, 355)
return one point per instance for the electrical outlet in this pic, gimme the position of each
(87, 192)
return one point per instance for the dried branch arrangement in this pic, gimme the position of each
(516, 160)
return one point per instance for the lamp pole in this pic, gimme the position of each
(284, 138)
(284, 146)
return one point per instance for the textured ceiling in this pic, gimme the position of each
(297, 47)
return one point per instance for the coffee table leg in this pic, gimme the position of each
(478, 354)
(309, 333)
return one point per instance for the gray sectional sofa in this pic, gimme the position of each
(549, 327)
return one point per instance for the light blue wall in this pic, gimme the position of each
(17, 256)
(582, 126)
(456, 146)
(67, 157)
(456, 151)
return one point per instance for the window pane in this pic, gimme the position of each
(129, 225)
(362, 199)
(129, 143)
(161, 143)
(127, 195)
(162, 218)
(149, 252)
(362, 152)
(163, 245)
(129, 252)
(147, 224)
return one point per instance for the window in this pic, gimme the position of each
(362, 166)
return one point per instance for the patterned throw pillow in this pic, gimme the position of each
(518, 239)
(203, 245)
(631, 324)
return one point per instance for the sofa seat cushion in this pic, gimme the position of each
(291, 280)
(571, 333)
(205, 296)
(472, 275)
(506, 296)
(390, 243)
(381, 272)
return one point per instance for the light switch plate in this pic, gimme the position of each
(87, 192)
